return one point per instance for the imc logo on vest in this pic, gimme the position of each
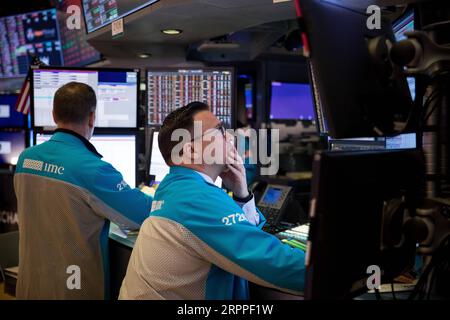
(43, 166)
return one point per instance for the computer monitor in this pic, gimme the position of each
(98, 14)
(402, 141)
(349, 225)
(9, 117)
(116, 91)
(12, 143)
(77, 52)
(25, 35)
(402, 25)
(158, 167)
(169, 89)
(117, 149)
(291, 101)
(356, 88)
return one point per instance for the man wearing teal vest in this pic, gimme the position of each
(66, 197)
(200, 243)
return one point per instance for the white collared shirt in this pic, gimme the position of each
(248, 207)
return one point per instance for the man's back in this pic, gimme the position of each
(66, 195)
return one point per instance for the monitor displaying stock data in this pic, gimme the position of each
(76, 51)
(100, 13)
(118, 150)
(171, 89)
(25, 35)
(116, 90)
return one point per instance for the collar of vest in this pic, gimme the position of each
(69, 136)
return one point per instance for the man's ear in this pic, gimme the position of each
(190, 153)
(54, 116)
(91, 119)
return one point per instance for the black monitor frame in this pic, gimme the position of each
(348, 228)
(33, 68)
(208, 68)
(357, 97)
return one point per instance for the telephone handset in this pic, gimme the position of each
(273, 205)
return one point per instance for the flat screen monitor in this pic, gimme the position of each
(291, 101)
(358, 94)
(351, 192)
(399, 142)
(25, 35)
(169, 89)
(100, 13)
(9, 117)
(12, 143)
(76, 51)
(118, 150)
(116, 90)
(158, 166)
(405, 24)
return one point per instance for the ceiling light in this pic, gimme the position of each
(144, 55)
(172, 32)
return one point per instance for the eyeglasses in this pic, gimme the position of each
(219, 127)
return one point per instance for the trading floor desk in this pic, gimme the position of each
(120, 247)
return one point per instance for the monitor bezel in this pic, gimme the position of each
(45, 128)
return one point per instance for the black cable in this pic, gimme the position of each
(434, 94)
(433, 108)
(393, 291)
(377, 294)
(437, 258)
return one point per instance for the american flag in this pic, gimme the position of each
(23, 102)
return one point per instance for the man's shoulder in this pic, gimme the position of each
(183, 198)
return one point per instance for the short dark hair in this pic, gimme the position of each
(181, 118)
(73, 102)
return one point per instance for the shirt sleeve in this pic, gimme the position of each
(114, 200)
(250, 212)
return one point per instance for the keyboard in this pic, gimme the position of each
(299, 233)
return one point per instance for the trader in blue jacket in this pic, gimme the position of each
(200, 243)
(66, 197)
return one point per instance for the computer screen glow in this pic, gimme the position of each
(116, 93)
(291, 101)
(118, 150)
(158, 166)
